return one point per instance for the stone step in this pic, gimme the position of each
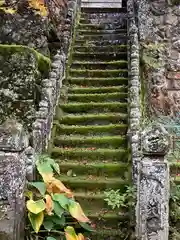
(87, 154)
(90, 141)
(99, 65)
(98, 97)
(98, 82)
(104, 130)
(101, 36)
(101, 32)
(90, 119)
(95, 48)
(100, 5)
(96, 90)
(102, 26)
(93, 107)
(104, 10)
(105, 15)
(100, 43)
(99, 56)
(98, 73)
(97, 168)
(92, 183)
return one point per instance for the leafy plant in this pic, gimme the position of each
(116, 199)
(51, 203)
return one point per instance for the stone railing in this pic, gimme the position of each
(153, 183)
(134, 88)
(150, 169)
(19, 149)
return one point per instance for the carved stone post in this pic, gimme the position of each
(13, 142)
(152, 210)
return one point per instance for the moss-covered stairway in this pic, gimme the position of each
(89, 134)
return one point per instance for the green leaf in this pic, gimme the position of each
(50, 238)
(36, 206)
(40, 186)
(58, 209)
(87, 227)
(61, 199)
(58, 221)
(48, 225)
(29, 195)
(36, 220)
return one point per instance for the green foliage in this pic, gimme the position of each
(174, 211)
(116, 199)
(51, 202)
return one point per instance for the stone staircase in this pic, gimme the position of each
(89, 133)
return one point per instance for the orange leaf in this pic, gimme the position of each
(80, 236)
(49, 205)
(56, 186)
(77, 212)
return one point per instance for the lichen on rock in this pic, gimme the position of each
(22, 70)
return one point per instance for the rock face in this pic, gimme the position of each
(21, 73)
(159, 34)
(27, 29)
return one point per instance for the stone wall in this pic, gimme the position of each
(159, 34)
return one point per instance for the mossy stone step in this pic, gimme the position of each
(98, 73)
(97, 168)
(99, 56)
(89, 154)
(98, 97)
(103, 32)
(110, 234)
(100, 43)
(99, 65)
(94, 107)
(98, 82)
(107, 219)
(100, 26)
(100, 11)
(94, 48)
(110, 129)
(93, 183)
(98, 118)
(108, 36)
(96, 90)
(90, 141)
(174, 168)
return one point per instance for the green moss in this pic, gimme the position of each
(94, 90)
(98, 97)
(96, 168)
(87, 81)
(92, 141)
(81, 182)
(98, 73)
(88, 154)
(91, 118)
(118, 129)
(44, 62)
(94, 107)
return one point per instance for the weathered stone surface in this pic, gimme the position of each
(155, 140)
(27, 29)
(159, 23)
(152, 210)
(12, 182)
(21, 73)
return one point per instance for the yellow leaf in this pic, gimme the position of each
(36, 206)
(8, 10)
(80, 236)
(29, 194)
(2, 2)
(70, 233)
(36, 220)
(77, 212)
(49, 205)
